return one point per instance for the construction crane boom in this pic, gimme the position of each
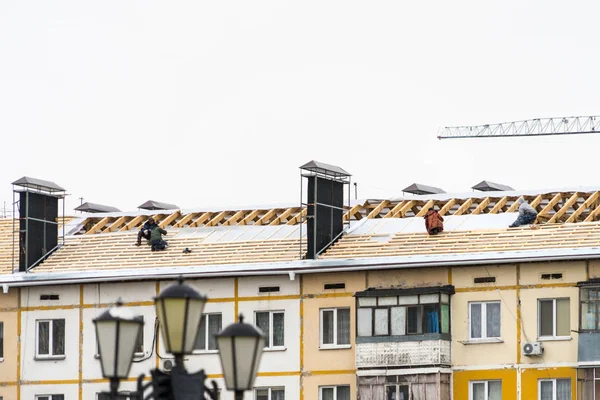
(529, 127)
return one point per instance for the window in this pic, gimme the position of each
(206, 334)
(50, 397)
(272, 324)
(269, 394)
(268, 289)
(553, 318)
(335, 327)
(397, 392)
(1, 341)
(554, 389)
(106, 396)
(403, 315)
(484, 320)
(590, 309)
(485, 390)
(334, 393)
(50, 338)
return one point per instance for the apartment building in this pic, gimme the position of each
(480, 312)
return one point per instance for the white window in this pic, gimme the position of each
(485, 390)
(272, 324)
(210, 325)
(50, 338)
(484, 320)
(50, 397)
(334, 392)
(553, 318)
(554, 389)
(269, 393)
(335, 327)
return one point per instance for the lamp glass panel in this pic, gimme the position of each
(128, 335)
(226, 355)
(106, 332)
(195, 310)
(171, 315)
(247, 358)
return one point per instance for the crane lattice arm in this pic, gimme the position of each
(530, 127)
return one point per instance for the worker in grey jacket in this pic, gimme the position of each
(527, 214)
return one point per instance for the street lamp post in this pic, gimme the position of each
(179, 310)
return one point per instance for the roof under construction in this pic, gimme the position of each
(265, 238)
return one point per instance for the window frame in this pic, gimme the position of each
(271, 330)
(50, 355)
(486, 386)
(206, 350)
(270, 389)
(484, 335)
(418, 304)
(597, 302)
(334, 345)
(335, 388)
(554, 384)
(554, 319)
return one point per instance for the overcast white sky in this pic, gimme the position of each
(203, 103)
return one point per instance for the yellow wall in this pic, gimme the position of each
(410, 277)
(506, 275)
(530, 377)
(554, 351)
(508, 377)
(312, 383)
(573, 272)
(8, 315)
(8, 392)
(485, 353)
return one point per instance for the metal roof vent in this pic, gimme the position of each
(157, 205)
(417, 188)
(95, 208)
(487, 186)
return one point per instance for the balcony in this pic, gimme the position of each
(407, 351)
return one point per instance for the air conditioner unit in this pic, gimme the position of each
(533, 349)
(167, 365)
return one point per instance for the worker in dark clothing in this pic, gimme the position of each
(527, 214)
(146, 230)
(434, 222)
(156, 239)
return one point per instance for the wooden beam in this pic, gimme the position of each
(543, 214)
(234, 218)
(119, 222)
(481, 206)
(377, 210)
(201, 219)
(217, 218)
(283, 216)
(536, 202)
(566, 206)
(464, 207)
(588, 203)
(99, 225)
(449, 204)
(407, 206)
(354, 212)
(170, 218)
(250, 217)
(593, 215)
(183, 221)
(265, 218)
(395, 209)
(296, 219)
(499, 204)
(426, 206)
(133, 223)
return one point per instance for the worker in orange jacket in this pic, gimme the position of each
(434, 222)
